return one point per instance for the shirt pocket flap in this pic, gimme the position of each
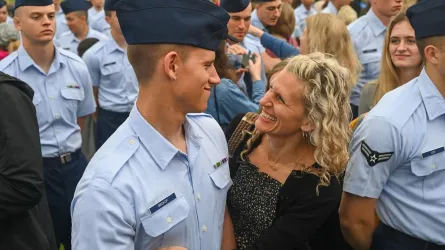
(73, 94)
(428, 165)
(166, 217)
(370, 58)
(108, 68)
(221, 177)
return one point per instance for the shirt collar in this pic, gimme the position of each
(332, 7)
(113, 46)
(161, 150)
(25, 61)
(376, 25)
(257, 22)
(434, 101)
(60, 12)
(75, 39)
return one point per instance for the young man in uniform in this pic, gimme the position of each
(77, 20)
(63, 97)
(240, 12)
(115, 83)
(96, 16)
(161, 179)
(25, 220)
(397, 160)
(367, 34)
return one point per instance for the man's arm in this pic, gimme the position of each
(358, 220)
(21, 167)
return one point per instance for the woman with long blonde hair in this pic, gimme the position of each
(328, 34)
(287, 164)
(401, 62)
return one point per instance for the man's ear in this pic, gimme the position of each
(171, 64)
(432, 54)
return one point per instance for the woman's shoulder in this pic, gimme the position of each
(309, 185)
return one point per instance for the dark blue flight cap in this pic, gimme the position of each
(69, 6)
(109, 5)
(2, 3)
(427, 18)
(234, 6)
(19, 3)
(197, 23)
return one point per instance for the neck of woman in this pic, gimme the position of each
(289, 149)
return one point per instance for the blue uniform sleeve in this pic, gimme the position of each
(376, 150)
(88, 105)
(235, 101)
(280, 48)
(93, 65)
(102, 220)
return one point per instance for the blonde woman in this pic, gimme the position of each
(327, 33)
(401, 62)
(286, 177)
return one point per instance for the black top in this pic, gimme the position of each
(302, 219)
(252, 202)
(25, 221)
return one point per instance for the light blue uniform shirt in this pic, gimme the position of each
(96, 19)
(9, 20)
(404, 136)
(330, 9)
(125, 199)
(251, 42)
(113, 75)
(368, 35)
(61, 25)
(69, 42)
(60, 97)
(301, 14)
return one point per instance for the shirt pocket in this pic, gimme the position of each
(40, 112)
(432, 170)
(110, 72)
(161, 221)
(222, 182)
(371, 64)
(73, 96)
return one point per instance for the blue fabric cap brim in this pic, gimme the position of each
(197, 23)
(427, 18)
(19, 3)
(234, 6)
(69, 6)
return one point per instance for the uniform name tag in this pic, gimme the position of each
(433, 152)
(369, 51)
(218, 164)
(162, 203)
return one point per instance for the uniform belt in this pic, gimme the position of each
(428, 245)
(109, 112)
(63, 158)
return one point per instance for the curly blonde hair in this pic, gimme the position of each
(327, 91)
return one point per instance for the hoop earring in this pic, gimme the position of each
(305, 135)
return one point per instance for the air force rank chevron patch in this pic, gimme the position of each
(374, 157)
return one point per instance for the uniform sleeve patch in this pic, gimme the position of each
(373, 157)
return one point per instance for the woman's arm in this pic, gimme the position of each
(280, 48)
(228, 242)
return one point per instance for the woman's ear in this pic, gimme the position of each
(307, 126)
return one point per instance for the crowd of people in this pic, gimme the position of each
(225, 124)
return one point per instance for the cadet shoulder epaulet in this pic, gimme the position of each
(356, 27)
(70, 55)
(8, 60)
(113, 161)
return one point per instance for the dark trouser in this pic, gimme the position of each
(354, 111)
(107, 124)
(60, 183)
(387, 238)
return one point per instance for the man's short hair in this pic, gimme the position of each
(145, 57)
(436, 41)
(80, 13)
